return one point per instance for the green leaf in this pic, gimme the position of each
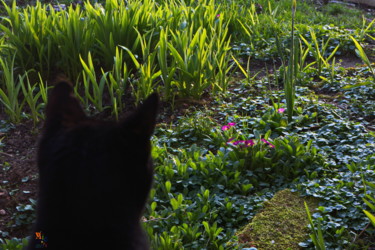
(370, 216)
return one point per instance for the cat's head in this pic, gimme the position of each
(96, 162)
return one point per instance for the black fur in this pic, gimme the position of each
(95, 177)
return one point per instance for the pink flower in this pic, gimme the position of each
(238, 142)
(249, 143)
(280, 110)
(242, 143)
(226, 127)
(218, 15)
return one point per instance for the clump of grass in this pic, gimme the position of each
(281, 225)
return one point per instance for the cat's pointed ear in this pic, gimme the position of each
(143, 120)
(63, 108)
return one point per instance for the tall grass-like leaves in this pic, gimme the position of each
(147, 75)
(289, 87)
(257, 28)
(147, 69)
(370, 216)
(221, 54)
(193, 54)
(197, 61)
(365, 29)
(246, 72)
(113, 89)
(47, 40)
(10, 91)
(250, 25)
(370, 201)
(117, 82)
(167, 73)
(317, 235)
(362, 54)
(73, 35)
(32, 94)
(93, 89)
(27, 30)
(190, 50)
(118, 24)
(319, 51)
(120, 70)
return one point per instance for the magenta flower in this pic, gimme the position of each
(218, 15)
(280, 110)
(228, 126)
(237, 142)
(242, 143)
(249, 143)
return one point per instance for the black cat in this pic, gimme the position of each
(95, 177)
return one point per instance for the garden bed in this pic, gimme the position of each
(224, 147)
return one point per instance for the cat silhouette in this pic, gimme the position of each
(94, 176)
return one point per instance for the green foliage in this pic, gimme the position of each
(10, 93)
(148, 74)
(310, 154)
(319, 52)
(361, 53)
(369, 200)
(317, 234)
(32, 94)
(216, 186)
(25, 214)
(181, 49)
(93, 89)
(13, 244)
(211, 181)
(67, 40)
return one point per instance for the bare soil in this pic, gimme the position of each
(18, 174)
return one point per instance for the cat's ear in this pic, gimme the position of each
(143, 120)
(63, 108)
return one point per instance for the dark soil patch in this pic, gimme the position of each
(348, 61)
(18, 175)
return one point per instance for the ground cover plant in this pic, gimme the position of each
(248, 110)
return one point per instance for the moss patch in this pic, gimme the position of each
(282, 224)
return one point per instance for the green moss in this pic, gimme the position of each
(282, 224)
